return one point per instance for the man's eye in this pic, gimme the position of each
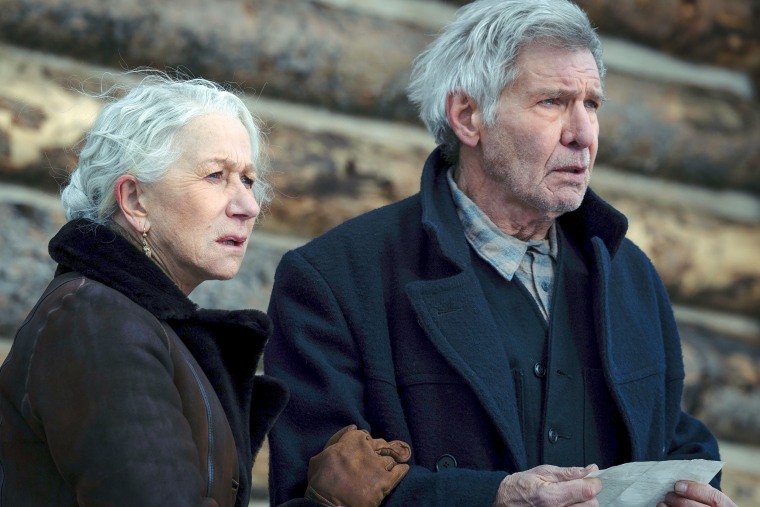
(592, 104)
(549, 102)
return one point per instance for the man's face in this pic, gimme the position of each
(541, 149)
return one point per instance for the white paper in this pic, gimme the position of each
(645, 483)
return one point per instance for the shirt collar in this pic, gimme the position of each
(502, 251)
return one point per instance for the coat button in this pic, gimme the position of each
(553, 436)
(444, 462)
(539, 370)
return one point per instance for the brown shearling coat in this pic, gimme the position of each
(118, 390)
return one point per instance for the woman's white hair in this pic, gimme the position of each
(135, 135)
(477, 55)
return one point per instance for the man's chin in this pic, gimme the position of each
(565, 205)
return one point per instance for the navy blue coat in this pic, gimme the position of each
(382, 322)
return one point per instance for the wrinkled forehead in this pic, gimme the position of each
(556, 62)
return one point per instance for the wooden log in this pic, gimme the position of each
(742, 329)
(349, 61)
(42, 117)
(665, 140)
(325, 176)
(721, 32)
(328, 168)
(296, 50)
(680, 133)
(721, 384)
(703, 260)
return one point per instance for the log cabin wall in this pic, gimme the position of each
(679, 146)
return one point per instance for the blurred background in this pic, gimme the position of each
(679, 148)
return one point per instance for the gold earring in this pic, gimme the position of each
(146, 248)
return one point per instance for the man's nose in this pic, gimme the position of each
(579, 129)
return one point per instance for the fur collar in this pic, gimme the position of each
(100, 253)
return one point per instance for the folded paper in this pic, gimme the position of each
(645, 483)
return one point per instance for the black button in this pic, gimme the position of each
(539, 370)
(545, 286)
(553, 436)
(444, 462)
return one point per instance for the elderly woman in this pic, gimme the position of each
(119, 390)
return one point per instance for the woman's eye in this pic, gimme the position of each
(248, 182)
(216, 176)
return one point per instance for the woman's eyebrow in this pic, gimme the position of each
(227, 162)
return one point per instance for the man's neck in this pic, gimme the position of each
(511, 217)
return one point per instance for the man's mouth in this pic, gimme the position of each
(576, 164)
(571, 169)
(232, 240)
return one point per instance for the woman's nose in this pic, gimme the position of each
(244, 203)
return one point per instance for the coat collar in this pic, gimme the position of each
(594, 217)
(100, 253)
(451, 308)
(439, 215)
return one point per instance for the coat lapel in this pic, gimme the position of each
(457, 320)
(456, 315)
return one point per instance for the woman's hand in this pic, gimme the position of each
(356, 470)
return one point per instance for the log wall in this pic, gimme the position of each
(679, 147)
(346, 60)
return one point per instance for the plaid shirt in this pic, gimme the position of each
(531, 261)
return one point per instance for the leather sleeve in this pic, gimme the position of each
(100, 390)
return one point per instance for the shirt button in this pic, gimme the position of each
(545, 286)
(539, 370)
(444, 462)
(553, 436)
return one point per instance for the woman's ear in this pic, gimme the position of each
(128, 192)
(464, 117)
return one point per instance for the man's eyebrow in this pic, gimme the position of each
(598, 96)
(561, 91)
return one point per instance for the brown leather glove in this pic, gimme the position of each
(356, 470)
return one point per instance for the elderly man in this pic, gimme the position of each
(499, 321)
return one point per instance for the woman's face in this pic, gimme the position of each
(201, 213)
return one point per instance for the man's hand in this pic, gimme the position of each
(695, 494)
(356, 470)
(547, 485)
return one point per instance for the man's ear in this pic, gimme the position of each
(128, 192)
(464, 117)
